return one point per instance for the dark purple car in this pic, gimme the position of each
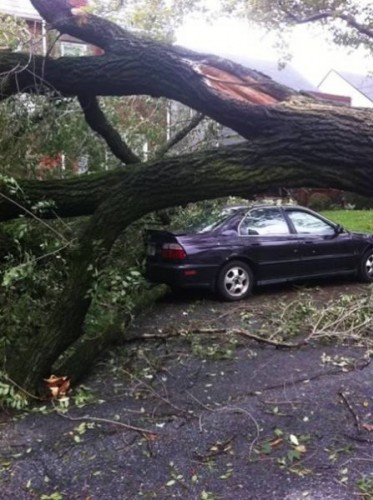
(258, 245)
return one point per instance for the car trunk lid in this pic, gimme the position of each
(164, 246)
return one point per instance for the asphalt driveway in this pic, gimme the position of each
(203, 416)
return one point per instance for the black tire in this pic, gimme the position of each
(235, 281)
(366, 267)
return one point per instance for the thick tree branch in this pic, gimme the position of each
(240, 170)
(314, 146)
(293, 143)
(180, 135)
(350, 20)
(87, 27)
(117, 41)
(98, 122)
(152, 73)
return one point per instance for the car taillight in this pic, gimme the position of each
(172, 251)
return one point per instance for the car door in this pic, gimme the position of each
(268, 242)
(324, 249)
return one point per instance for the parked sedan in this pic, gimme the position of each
(256, 246)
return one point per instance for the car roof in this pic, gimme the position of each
(235, 208)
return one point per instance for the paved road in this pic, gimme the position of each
(221, 419)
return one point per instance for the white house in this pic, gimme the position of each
(358, 87)
(19, 8)
(23, 9)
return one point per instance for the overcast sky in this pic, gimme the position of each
(312, 55)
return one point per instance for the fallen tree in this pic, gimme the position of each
(293, 140)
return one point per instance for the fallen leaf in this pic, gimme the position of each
(276, 442)
(294, 440)
(54, 392)
(368, 427)
(152, 437)
(58, 386)
(301, 448)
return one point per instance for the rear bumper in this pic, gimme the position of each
(181, 275)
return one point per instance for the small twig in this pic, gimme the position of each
(237, 409)
(200, 423)
(219, 331)
(337, 321)
(199, 402)
(354, 414)
(233, 311)
(57, 233)
(278, 345)
(278, 403)
(106, 421)
(179, 136)
(257, 338)
(20, 388)
(221, 448)
(154, 392)
(37, 259)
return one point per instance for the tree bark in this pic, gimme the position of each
(294, 141)
(238, 171)
(331, 149)
(88, 350)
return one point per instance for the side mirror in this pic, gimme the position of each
(339, 229)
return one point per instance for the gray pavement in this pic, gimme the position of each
(244, 422)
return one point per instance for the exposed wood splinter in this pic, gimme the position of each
(242, 89)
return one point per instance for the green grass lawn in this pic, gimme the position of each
(353, 220)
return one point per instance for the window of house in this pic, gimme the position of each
(73, 49)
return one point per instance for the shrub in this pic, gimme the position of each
(358, 202)
(320, 201)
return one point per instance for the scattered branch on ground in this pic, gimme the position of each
(352, 411)
(152, 391)
(106, 421)
(234, 409)
(346, 320)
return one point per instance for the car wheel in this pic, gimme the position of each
(366, 267)
(235, 281)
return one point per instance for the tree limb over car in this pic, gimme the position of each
(293, 140)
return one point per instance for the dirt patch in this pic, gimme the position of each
(217, 416)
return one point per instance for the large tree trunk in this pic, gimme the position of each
(236, 171)
(87, 350)
(294, 141)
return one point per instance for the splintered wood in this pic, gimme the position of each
(240, 88)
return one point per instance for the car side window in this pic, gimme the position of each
(305, 223)
(263, 221)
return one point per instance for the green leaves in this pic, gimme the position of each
(9, 396)
(13, 33)
(348, 22)
(158, 18)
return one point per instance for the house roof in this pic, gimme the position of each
(287, 76)
(362, 83)
(337, 99)
(19, 8)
